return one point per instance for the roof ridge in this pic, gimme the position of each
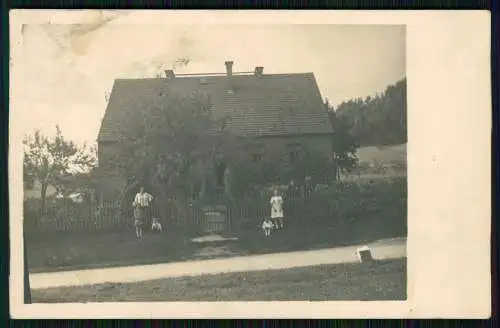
(212, 75)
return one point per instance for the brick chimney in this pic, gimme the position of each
(169, 74)
(229, 68)
(259, 71)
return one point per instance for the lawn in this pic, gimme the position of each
(80, 251)
(72, 251)
(384, 280)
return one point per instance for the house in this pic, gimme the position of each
(281, 112)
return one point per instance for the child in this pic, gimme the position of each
(277, 209)
(267, 226)
(156, 225)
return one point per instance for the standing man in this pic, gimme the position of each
(141, 204)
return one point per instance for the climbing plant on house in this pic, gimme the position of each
(173, 147)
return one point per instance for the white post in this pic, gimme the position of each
(364, 254)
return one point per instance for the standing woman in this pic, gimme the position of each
(277, 209)
(141, 206)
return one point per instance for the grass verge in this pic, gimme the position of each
(383, 280)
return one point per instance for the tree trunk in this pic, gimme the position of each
(335, 168)
(125, 191)
(43, 196)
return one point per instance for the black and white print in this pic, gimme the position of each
(213, 163)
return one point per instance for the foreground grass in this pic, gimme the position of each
(384, 280)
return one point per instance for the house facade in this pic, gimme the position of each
(278, 113)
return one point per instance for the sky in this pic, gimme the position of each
(65, 71)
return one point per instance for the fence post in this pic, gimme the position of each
(90, 223)
(27, 289)
(107, 215)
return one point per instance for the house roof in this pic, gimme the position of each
(267, 105)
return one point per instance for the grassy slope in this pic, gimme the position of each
(385, 155)
(385, 280)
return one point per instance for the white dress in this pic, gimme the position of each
(276, 207)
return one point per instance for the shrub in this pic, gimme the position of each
(355, 199)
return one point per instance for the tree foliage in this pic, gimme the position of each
(379, 120)
(275, 168)
(52, 160)
(173, 145)
(308, 165)
(344, 146)
(84, 183)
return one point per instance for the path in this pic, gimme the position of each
(382, 249)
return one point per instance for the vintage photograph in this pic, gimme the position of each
(213, 163)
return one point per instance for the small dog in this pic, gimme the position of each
(156, 225)
(267, 227)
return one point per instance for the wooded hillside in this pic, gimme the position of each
(378, 120)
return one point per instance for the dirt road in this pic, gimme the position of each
(382, 249)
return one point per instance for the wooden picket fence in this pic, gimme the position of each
(108, 216)
(220, 214)
(75, 217)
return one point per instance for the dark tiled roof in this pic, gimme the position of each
(270, 105)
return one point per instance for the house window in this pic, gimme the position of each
(257, 157)
(219, 178)
(293, 152)
(293, 156)
(257, 151)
